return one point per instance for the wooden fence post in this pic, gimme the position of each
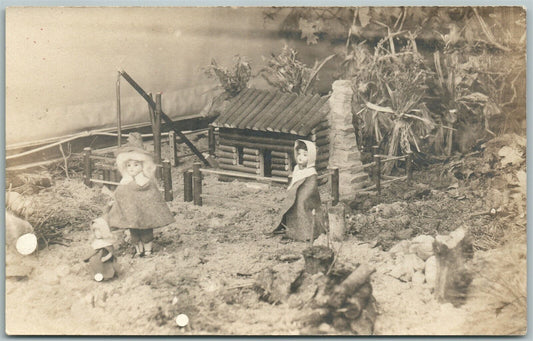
(334, 180)
(173, 149)
(197, 183)
(119, 115)
(156, 130)
(211, 140)
(187, 186)
(409, 167)
(377, 169)
(87, 166)
(167, 180)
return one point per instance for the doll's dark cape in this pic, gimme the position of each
(108, 269)
(139, 207)
(297, 218)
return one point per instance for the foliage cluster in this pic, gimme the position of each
(234, 80)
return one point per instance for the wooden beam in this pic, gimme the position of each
(246, 176)
(255, 145)
(165, 118)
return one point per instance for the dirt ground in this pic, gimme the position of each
(204, 266)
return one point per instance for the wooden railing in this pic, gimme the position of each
(110, 175)
(192, 182)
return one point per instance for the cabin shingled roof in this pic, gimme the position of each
(274, 111)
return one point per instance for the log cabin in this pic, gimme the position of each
(257, 130)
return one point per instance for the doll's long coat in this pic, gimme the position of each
(303, 197)
(139, 207)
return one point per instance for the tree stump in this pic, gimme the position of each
(453, 278)
(337, 225)
(318, 258)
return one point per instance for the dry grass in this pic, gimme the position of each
(66, 203)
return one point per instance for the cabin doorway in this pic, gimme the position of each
(267, 163)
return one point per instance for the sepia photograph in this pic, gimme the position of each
(266, 171)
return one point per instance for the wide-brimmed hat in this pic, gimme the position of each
(133, 150)
(134, 145)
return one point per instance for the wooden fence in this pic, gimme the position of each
(192, 182)
(104, 165)
(382, 180)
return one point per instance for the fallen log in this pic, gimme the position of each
(350, 285)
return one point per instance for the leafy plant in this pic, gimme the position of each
(288, 74)
(232, 81)
(389, 89)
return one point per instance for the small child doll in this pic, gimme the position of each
(303, 214)
(102, 261)
(138, 204)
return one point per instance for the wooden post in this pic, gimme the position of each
(167, 181)
(334, 185)
(173, 149)
(119, 118)
(337, 222)
(197, 183)
(211, 140)
(453, 278)
(187, 186)
(156, 129)
(377, 169)
(87, 166)
(409, 167)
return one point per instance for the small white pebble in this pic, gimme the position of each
(182, 320)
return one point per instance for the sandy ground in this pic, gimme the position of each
(204, 266)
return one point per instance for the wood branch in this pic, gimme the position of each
(350, 285)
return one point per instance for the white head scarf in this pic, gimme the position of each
(299, 174)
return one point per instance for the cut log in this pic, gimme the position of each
(453, 278)
(337, 225)
(223, 154)
(250, 164)
(239, 169)
(350, 285)
(282, 155)
(280, 172)
(227, 161)
(226, 148)
(318, 259)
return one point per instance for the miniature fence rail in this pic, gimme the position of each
(192, 182)
(377, 164)
(112, 177)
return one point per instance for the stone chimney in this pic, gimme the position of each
(343, 150)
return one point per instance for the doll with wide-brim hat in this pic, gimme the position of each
(139, 205)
